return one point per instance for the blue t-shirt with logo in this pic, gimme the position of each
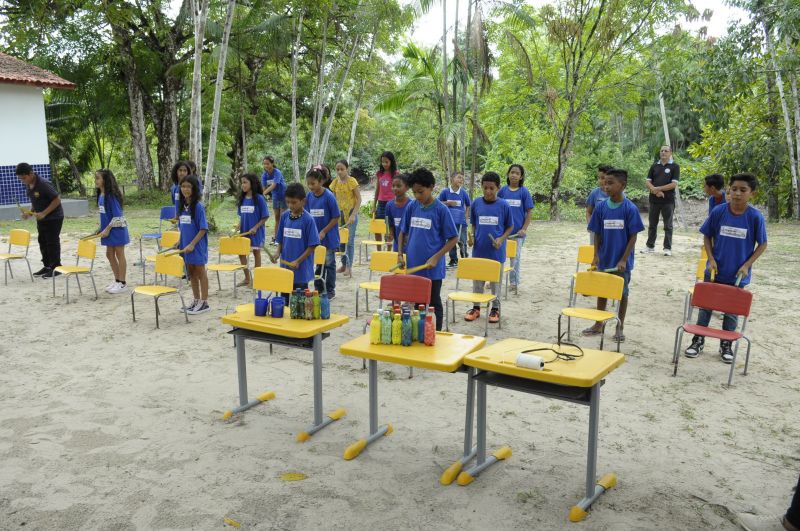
(520, 201)
(489, 219)
(323, 209)
(426, 229)
(458, 211)
(295, 236)
(615, 227)
(596, 196)
(734, 240)
(279, 193)
(251, 211)
(175, 194)
(394, 216)
(712, 202)
(189, 226)
(109, 209)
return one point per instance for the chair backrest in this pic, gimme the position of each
(167, 212)
(700, 272)
(406, 288)
(597, 284)
(274, 279)
(87, 249)
(320, 252)
(479, 269)
(722, 298)
(377, 226)
(20, 237)
(169, 265)
(170, 238)
(511, 248)
(344, 234)
(382, 261)
(585, 254)
(236, 245)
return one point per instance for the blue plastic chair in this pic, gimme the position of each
(167, 213)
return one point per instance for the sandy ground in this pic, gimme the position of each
(109, 424)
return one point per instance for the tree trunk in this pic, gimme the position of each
(564, 147)
(772, 184)
(323, 148)
(168, 150)
(474, 131)
(212, 137)
(358, 101)
(319, 105)
(796, 105)
(445, 95)
(200, 16)
(76, 174)
(467, 38)
(295, 52)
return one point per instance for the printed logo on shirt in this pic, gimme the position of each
(457, 202)
(269, 183)
(318, 212)
(177, 196)
(666, 171)
(488, 220)
(292, 233)
(396, 222)
(420, 223)
(733, 232)
(386, 182)
(101, 209)
(186, 219)
(613, 224)
(247, 209)
(515, 202)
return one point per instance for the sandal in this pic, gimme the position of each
(618, 338)
(589, 332)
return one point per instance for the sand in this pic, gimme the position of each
(109, 424)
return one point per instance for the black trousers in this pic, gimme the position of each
(50, 241)
(664, 211)
(436, 302)
(793, 514)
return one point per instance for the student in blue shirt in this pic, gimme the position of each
(179, 171)
(113, 228)
(396, 208)
(596, 196)
(714, 188)
(458, 201)
(521, 203)
(273, 183)
(735, 236)
(194, 243)
(615, 223)
(297, 237)
(491, 223)
(253, 215)
(427, 233)
(322, 205)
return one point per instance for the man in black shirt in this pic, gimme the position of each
(46, 208)
(662, 179)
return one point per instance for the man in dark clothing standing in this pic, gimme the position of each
(46, 208)
(662, 179)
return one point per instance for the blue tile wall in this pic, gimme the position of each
(12, 189)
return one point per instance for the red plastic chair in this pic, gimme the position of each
(718, 298)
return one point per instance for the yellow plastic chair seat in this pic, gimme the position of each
(468, 296)
(72, 269)
(507, 269)
(372, 286)
(150, 258)
(11, 256)
(226, 267)
(590, 314)
(154, 291)
(372, 242)
(691, 290)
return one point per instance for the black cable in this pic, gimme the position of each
(564, 356)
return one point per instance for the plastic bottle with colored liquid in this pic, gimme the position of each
(375, 329)
(421, 324)
(397, 330)
(293, 305)
(316, 304)
(386, 328)
(415, 325)
(309, 311)
(430, 330)
(406, 339)
(324, 306)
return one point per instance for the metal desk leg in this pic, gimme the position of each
(319, 423)
(468, 476)
(452, 472)
(375, 432)
(594, 489)
(241, 365)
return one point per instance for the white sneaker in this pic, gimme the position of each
(108, 288)
(647, 250)
(667, 252)
(118, 287)
(202, 307)
(190, 306)
(754, 522)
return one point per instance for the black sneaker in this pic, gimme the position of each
(331, 295)
(452, 264)
(695, 348)
(41, 272)
(50, 274)
(725, 351)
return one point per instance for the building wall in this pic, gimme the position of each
(23, 138)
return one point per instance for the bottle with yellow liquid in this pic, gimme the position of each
(375, 330)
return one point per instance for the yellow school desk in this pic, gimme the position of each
(577, 380)
(446, 355)
(297, 333)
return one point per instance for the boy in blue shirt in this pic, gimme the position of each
(615, 223)
(396, 208)
(491, 225)
(427, 233)
(735, 236)
(714, 188)
(297, 237)
(274, 184)
(457, 200)
(596, 196)
(322, 205)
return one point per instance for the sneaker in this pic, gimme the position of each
(494, 316)
(331, 295)
(201, 307)
(452, 264)
(754, 522)
(50, 274)
(667, 252)
(647, 250)
(725, 352)
(118, 287)
(274, 242)
(189, 306)
(108, 288)
(41, 272)
(695, 348)
(472, 314)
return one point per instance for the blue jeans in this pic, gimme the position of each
(462, 244)
(330, 274)
(350, 246)
(514, 280)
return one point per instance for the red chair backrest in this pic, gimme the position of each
(722, 298)
(406, 288)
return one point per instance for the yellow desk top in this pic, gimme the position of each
(584, 372)
(296, 328)
(446, 355)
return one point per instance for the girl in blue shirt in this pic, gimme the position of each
(179, 172)
(322, 205)
(427, 233)
(253, 215)
(113, 228)
(194, 242)
(297, 237)
(521, 203)
(458, 201)
(273, 183)
(396, 208)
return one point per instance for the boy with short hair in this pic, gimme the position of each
(427, 233)
(274, 185)
(714, 188)
(615, 223)
(597, 195)
(457, 200)
(491, 223)
(322, 205)
(396, 208)
(735, 236)
(297, 237)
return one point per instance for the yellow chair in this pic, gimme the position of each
(699, 276)
(231, 246)
(379, 262)
(376, 226)
(344, 237)
(169, 239)
(585, 257)
(17, 238)
(273, 279)
(594, 284)
(511, 252)
(320, 253)
(703, 253)
(86, 249)
(482, 270)
(168, 266)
